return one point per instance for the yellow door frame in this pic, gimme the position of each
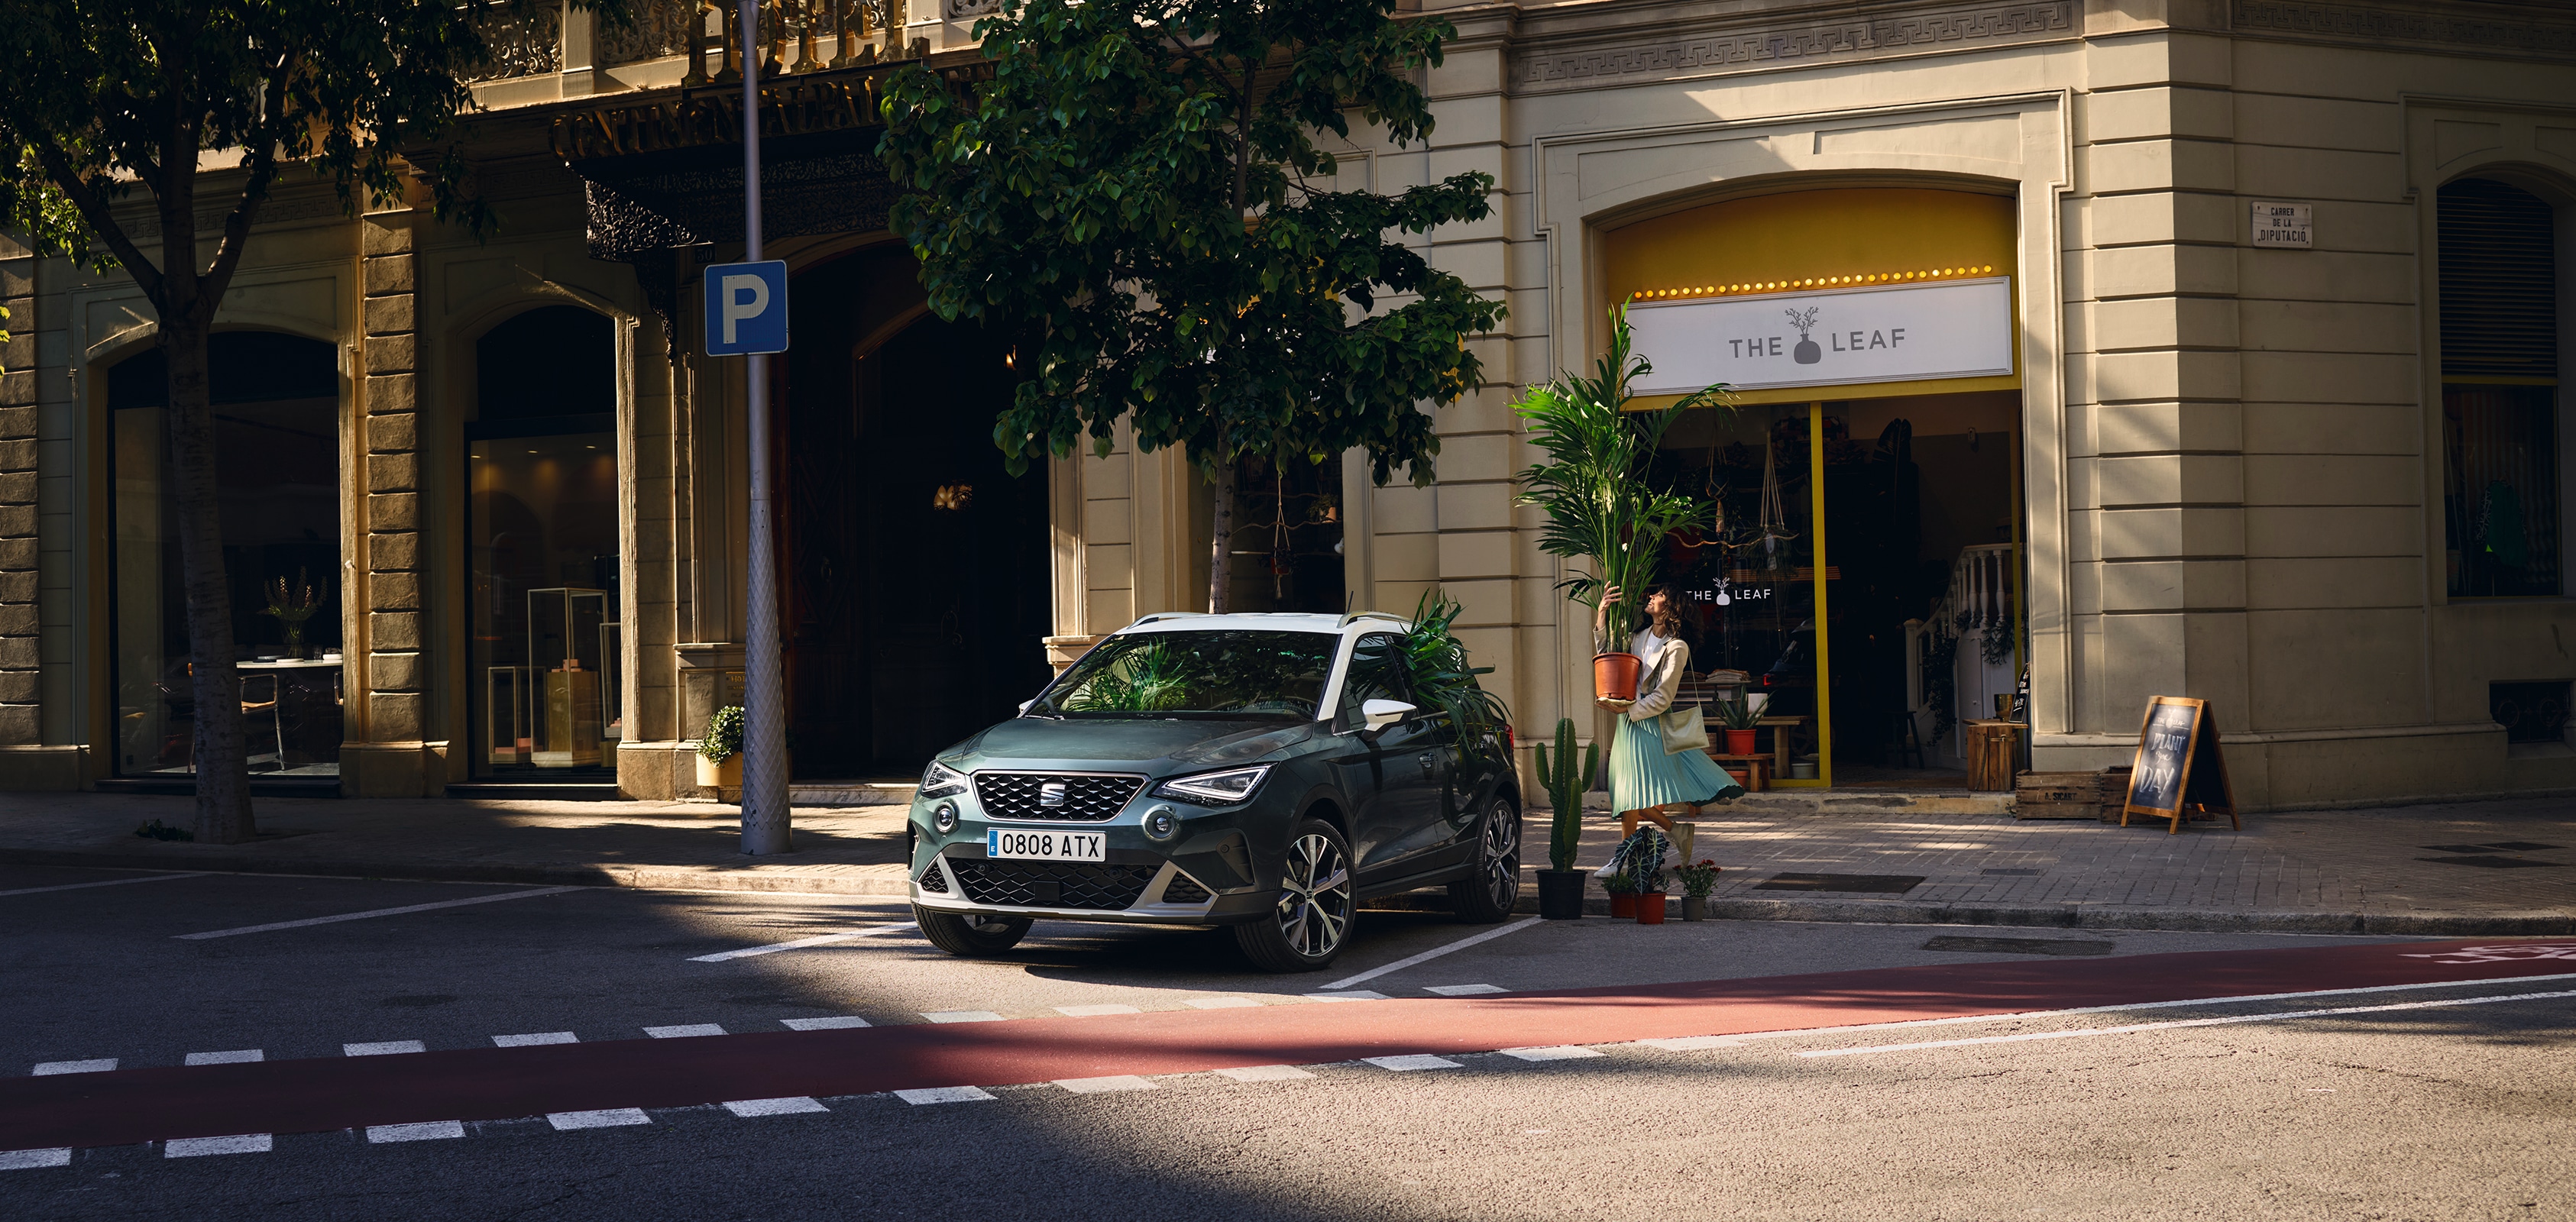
(1818, 564)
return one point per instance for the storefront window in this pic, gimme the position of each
(541, 476)
(276, 408)
(2500, 429)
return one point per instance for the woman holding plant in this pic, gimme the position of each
(1646, 780)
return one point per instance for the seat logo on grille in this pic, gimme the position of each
(1051, 794)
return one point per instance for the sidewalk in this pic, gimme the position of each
(2369, 871)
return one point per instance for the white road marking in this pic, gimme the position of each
(1696, 1042)
(802, 943)
(427, 1130)
(1435, 952)
(1264, 1073)
(944, 1094)
(775, 1107)
(1220, 1003)
(242, 1056)
(199, 1147)
(962, 1016)
(1347, 995)
(534, 1038)
(113, 882)
(383, 1048)
(100, 1065)
(24, 1160)
(604, 1118)
(529, 893)
(2223, 1020)
(1559, 1052)
(839, 1023)
(1463, 990)
(1103, 1086)
(684, 1031)
(1094, 1011)
(1414, 1061)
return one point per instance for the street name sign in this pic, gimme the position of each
(1828, 337)
(2284, 226)
(746, 308)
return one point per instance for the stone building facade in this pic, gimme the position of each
(2276, 421)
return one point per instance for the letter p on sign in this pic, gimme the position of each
(746, 308)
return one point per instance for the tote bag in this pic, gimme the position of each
(1685, 730)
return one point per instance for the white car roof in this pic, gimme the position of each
(1263, 621)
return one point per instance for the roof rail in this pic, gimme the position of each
(1355, 616)
(1167, 615)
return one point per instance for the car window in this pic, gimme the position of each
(1217, 673)
(1377, 673)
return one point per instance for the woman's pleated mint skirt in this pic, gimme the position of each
(1642, 776)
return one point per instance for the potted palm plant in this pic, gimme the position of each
(1560, 890)
(1739, 718)
(1602, 511)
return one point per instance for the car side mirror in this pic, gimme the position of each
(1380, 714)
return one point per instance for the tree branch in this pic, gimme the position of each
(93, 209)
(263, 171)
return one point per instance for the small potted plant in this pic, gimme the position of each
(1739, 718)
(720, 751)
(1650, 899)
(1560, 890)
(1623, 895)
(1698, 879)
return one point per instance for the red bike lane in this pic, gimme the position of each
(323, 1094)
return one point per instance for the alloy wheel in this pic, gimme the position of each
(1502, 855)
(1314, 896)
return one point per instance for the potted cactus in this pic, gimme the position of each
(1739, 718)
(1560, 890)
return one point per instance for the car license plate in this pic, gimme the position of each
(1046, 846)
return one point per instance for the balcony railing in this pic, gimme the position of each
(538, 52)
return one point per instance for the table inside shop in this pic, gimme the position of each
(1756, 769)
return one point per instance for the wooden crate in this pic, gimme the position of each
(2057, 795)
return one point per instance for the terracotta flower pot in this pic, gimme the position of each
(727, 775)
(1650, 908)
(1740, 742)
(1623, 903)
(1614, 675)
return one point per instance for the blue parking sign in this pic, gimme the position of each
(746, 308)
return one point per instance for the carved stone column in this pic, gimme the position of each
(389, 695)
(21, 724)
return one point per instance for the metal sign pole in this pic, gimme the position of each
(764, 773)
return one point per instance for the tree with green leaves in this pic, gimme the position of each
(198, 107)
(1137, 197)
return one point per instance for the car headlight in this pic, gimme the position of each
(1214, 788)
(942, 781)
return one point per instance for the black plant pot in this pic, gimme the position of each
(1560, 894)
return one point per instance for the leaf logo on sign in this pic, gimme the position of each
(1807, 353)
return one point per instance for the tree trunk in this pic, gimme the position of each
(223, 775)
(1221, 546)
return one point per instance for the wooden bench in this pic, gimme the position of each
(1756, 769)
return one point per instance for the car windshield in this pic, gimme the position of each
(1264, 675)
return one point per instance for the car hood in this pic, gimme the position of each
(1147, 745)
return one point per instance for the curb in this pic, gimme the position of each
(2067, 916)
(645, 878)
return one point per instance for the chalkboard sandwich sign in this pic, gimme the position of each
(2179, 770)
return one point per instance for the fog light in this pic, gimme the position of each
(944, 818)
(1161, 823)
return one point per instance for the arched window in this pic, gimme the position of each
(277, 501)
(2501, 433)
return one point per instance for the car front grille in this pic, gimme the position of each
(1184, 890)
(1051, 884)
(1085, 797)
(934, 881)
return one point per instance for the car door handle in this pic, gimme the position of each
(1430, 763)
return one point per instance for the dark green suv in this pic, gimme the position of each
(1261, 771)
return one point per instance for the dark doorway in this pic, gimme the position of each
(915, 583)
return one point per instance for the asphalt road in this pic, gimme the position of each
(2451, 1111)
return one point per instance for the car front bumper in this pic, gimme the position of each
(1202, 875)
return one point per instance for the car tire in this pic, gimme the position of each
(1488, 894)
(970, 935)
(1318, 900)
